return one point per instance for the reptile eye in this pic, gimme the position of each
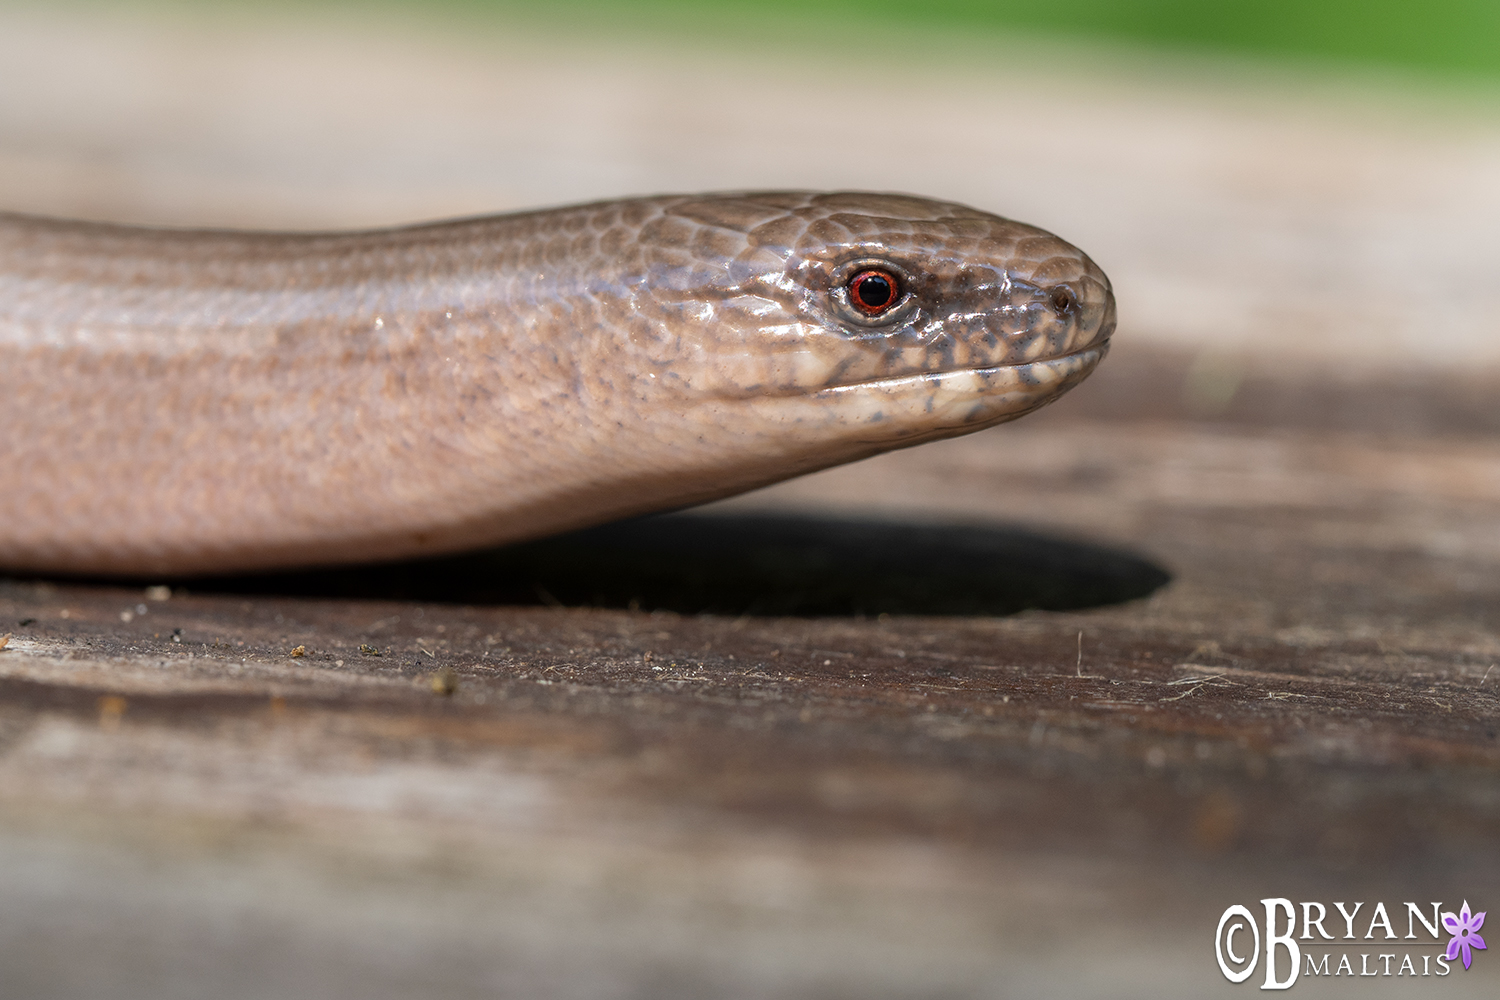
(874, 291)
(1062, 299)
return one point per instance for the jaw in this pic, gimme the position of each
(726, 446)
(914, 408)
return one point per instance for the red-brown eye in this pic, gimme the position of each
(872, 292)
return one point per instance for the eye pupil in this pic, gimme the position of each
(873, 292)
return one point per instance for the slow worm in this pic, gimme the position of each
(200, 401)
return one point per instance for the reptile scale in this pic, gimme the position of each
(180, 402)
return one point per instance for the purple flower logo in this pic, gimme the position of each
(1465, 930)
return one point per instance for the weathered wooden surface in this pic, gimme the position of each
(643, 802)
(809, 743)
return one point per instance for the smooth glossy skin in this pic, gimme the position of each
(184, 402)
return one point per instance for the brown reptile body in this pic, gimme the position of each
(198, 401)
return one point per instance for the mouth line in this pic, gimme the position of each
(936, 377)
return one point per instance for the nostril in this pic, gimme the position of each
(1063, 299)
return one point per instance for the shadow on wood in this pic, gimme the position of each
(756, 565)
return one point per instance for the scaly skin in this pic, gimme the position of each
(182, 402)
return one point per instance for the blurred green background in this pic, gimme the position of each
(1447, 37)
